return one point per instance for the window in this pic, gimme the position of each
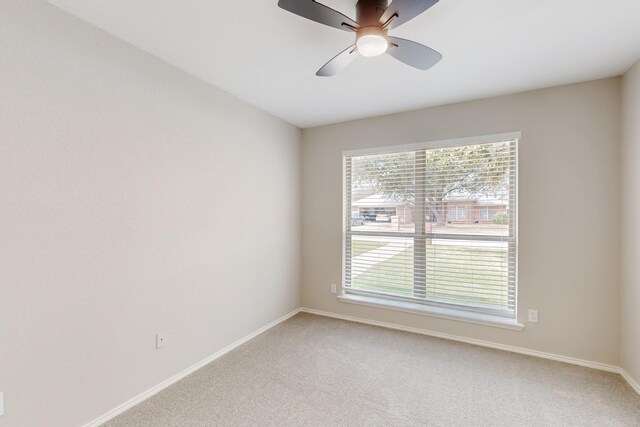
(487, 213)
(484, 214)
(457, 213)
(454, 245)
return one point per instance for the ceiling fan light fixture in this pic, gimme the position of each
(374, 19)
(372, 45)
(372, 42)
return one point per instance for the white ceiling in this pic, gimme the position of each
(268, 57)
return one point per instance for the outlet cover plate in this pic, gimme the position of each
(161, 340)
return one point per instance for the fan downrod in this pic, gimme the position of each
(369, 12)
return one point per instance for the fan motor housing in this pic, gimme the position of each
(368, 12)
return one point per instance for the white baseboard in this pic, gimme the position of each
(632, 382)
(513, 349)
(156, 389)
(566, 359)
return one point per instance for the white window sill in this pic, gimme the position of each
(440, 312)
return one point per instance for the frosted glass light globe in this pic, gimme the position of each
(370, 45)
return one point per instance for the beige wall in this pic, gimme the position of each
(630, 196)
(117, 171)
(569, 246)
(116, 174)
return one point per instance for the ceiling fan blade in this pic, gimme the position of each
(404, 10)
(414, 54)
(339, 62)
(318, 12)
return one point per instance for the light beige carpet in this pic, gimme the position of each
(316, 371)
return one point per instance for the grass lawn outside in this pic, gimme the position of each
(359, 247)
(455, 274)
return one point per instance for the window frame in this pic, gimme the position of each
(475, 314)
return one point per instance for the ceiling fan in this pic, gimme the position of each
(374, 19)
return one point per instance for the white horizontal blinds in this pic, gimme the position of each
(470, 261)
(382, 264)
(382, 223)
(383, 192)
(434, 225)
(347, 196)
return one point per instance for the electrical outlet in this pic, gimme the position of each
(161, 340)
(533, 316)
(1, 403)
(334, 288)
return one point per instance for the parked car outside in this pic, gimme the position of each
(357, 219)
(383, 218)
